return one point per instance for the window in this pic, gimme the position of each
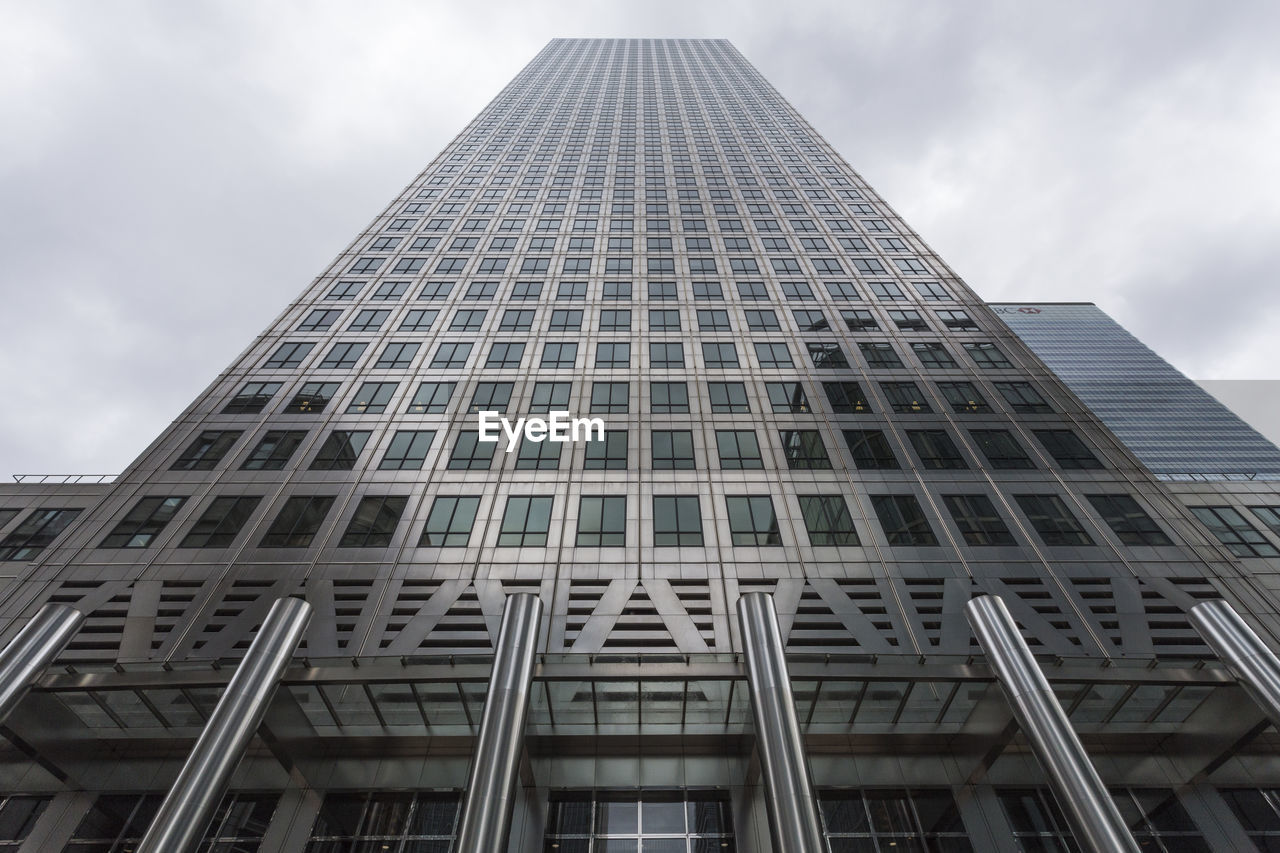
(526, 290)
(1231, 529)
(666, 354)
(389, 290)
(963, 397)
(720, 354)
(677, 520)
(936, 449)
(368, 320)
(143, 523)
(407, 450)
(885, 290)
(1001, 449)
(319, 320)
(662, 290)
(558, 354)
(221, 523)
(1052, 520)
(908, 321)
(615, 320)
(343, 354)
(810, 320)
(880, 354)
(550, 397)
(36, 532)
(774, 355)
(827, 356)
(804, 449)
(796, 290)
(204, 453)
(827, 520)
(664, 320)
(672, 449)
(311, 398)
(1022, 397)
(372, 398)
(609, 454)
(667, 821)
(340, 450)
(860, 320)
(374, 522)
(8, 515)
(844, 290)
(752, 521)
(903, 520)
(431, 398)
(787, 397)
(1067, 449)
(708, 291)
(1037, 821)
(418, 320)
(905, 398)
(738, 449)
(273, 450)
(565, 320)
(933, 355)
(471, 454)
(750, 290)
(525, 523)
(1268, 515)
(538, 455)
(449, 523)
(761, 320)
(978, 521)
(870, 449)
(1130, 521)
(957, 321)
(613, 354)
(345, 291)
(713, 320)
(384, 820)
(891, 819)
(668, 398)
(288, 355)
(929, 290)
(298, 522)
(516, 320)
(252, 398)
(468, 319)
(610, 398)
(571, 291)
(602, 521)
(505, 354)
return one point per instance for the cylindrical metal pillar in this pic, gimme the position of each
(1250, 661)
(31, 651)
(1093, 815)
(187, 809)
(793, 812)
(486, 811)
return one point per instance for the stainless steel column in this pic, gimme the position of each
(185, 813)
(486, 813)
(793, 812)
(1253, 664)
(31, 651)
(1093, 815)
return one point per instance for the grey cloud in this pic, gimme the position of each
(171, 175)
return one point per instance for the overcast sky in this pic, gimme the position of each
(173, 174)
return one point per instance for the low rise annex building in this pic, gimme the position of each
(846, 568)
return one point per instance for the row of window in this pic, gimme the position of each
(484, 290)
(671, 449)
(602, 521)
(620, 319)
(617, 355)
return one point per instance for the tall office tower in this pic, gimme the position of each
(848, 568)
(1170, 423)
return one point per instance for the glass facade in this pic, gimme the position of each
(1174, 427)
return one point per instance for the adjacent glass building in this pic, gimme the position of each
(752, 591)
(1171, 424)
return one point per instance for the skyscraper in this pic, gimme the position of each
(1170, 423)
(750, 594)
